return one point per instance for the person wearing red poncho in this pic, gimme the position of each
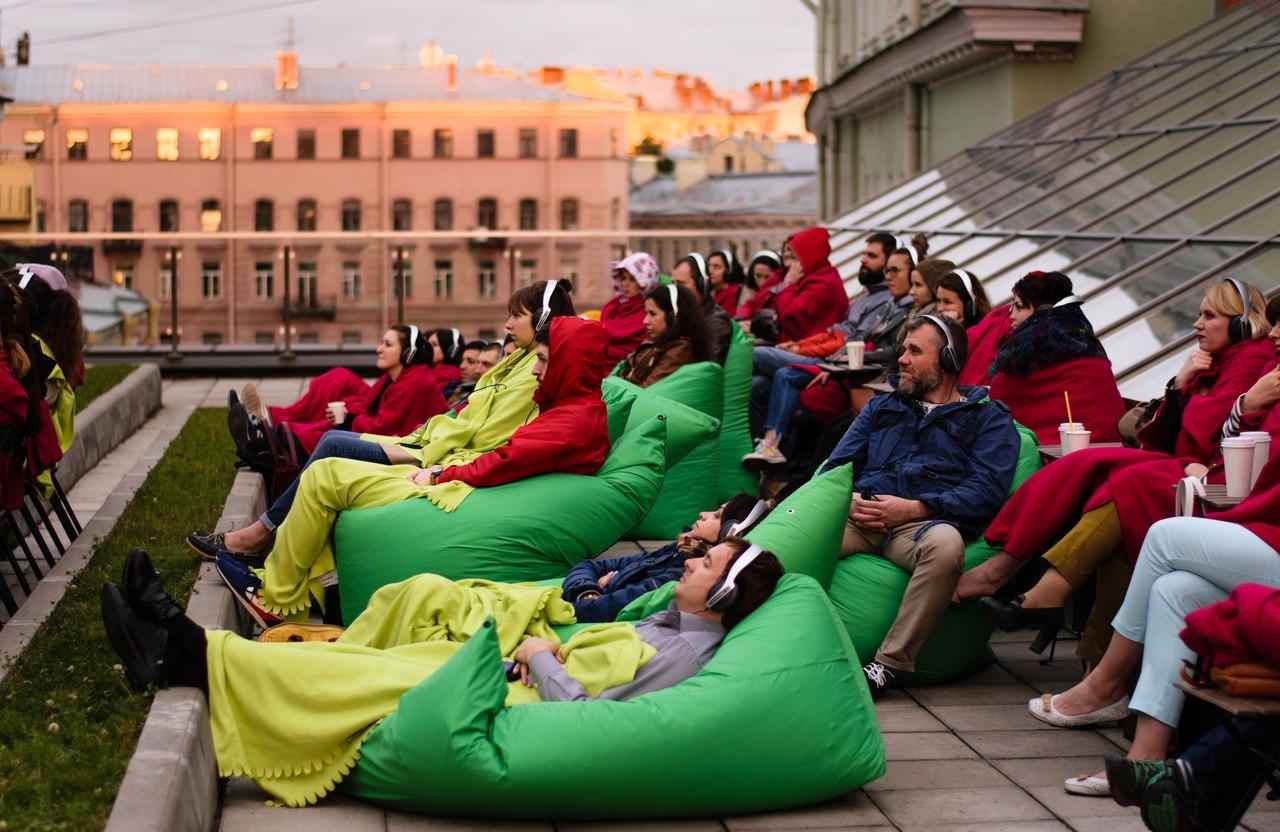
(1117, 493)
(623, 316)
(28, 441)
(725, 278)
(763, 294)
(1053, 350)
(811, 296)
(1185, 564)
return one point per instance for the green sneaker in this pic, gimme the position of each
(1156, 787)
(1130, 779)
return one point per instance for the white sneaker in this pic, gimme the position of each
(252, 402)
(765, 454)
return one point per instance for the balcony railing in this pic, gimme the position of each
(315, 307)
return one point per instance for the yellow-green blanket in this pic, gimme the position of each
(292, 716)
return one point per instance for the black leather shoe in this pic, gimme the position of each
(209, 546)
(1010, 616)
(139, 644)
(233, 398)
(238, 426)
(143, 591)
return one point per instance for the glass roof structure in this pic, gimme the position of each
(1141, 186)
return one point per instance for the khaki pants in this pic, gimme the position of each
(1095, 545)
(935, 558)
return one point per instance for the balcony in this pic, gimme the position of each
(314, 307)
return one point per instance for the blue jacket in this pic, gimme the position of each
(958, 459)
(637, 574)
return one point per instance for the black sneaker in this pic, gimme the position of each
(139, 644)
(879, 679)
(210, 546)
(1156, 786)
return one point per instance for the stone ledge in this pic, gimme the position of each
(109, 420)
(171, 783)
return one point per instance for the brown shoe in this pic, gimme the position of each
(252, 402)
(287, 632)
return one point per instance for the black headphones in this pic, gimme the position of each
(948, 358)
(407, 354)
(544, 315)
(724, 594)
(1239, 328)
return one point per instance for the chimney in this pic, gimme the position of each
(286, 70)
(637, 72)
(786, 87)
(451, 73)
(756, 90)
(552, 75)
(804, 86)
(769, 90)
(24, 49)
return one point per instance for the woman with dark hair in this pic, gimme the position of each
(600, 587)
(623, 316)
(446, 358)
(960, 296)
(28, 441)
(690, 272)
(403, 397)
(765, 268)
(673, 322)
(725, 279)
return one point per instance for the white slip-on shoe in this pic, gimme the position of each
(1042, 709)
(1087, 785)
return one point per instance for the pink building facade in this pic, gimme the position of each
(350, 168)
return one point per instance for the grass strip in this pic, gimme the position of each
(68, 721)
(98, 379)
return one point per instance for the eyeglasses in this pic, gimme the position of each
(893, 270)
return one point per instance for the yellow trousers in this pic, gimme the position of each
(1095, 546)
(303, 550)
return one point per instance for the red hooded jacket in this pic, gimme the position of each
(763, 298)
(623, 322)
(1243, 628)
(571, 431)
(985, 340)
(818, 300)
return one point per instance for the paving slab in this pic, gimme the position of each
(1004, 745)
(937, 774)
(850, 811)
(1108, 824)
(1047, 771)
(403, 822)
(696, 825)
(967, 805)
(1005, 717)
(962, 693)
(244, 810)
(925, 746)
(897, 716)
(998, 826)
(1068, 806)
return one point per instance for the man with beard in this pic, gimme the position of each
(933, 462)
(865, 315)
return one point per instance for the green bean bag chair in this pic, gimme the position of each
(867, 591)
(735, 434)
(523, 531)
(780, 717)
(805, 530)
(691, 485)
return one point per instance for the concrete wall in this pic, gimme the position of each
(957, 112)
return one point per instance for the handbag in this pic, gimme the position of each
(1248, 679)
(1136, 418)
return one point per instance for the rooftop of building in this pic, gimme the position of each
(735, 193)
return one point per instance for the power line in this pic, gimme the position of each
(142, 27)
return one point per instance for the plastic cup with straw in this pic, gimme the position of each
(1071, 433)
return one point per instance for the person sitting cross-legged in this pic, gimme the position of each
(934, 462)
(307, 707)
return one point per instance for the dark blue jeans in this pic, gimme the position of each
(340, 443)
(788, 384)
(1226, 775)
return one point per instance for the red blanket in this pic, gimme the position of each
(623, 321)
(338, 384)
(728, 298)
(1036, 399)
(1243, 628)
(762, 299)
(985, 338)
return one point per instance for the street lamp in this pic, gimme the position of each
(400, 284)
(171, 258)
(288, 354)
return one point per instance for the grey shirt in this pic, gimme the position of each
(685, 643)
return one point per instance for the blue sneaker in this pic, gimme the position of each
(244, 586)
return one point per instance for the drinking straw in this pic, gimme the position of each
(1067, 398)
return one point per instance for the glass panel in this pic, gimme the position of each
(996, 260)
(1172, 181)
(1183, 265)
(888, 199)
(1129, 345)
(1262, 102)
(1235, 95)
(1260, 222)
(1192, 217)
(1224, 33)
(1056, 258)
(1154, 114)
(1148, 383)
(962, 252)
(1126, 93)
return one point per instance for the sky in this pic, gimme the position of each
(732, 42)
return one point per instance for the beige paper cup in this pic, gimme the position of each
(857, 352)
(1261, 452)
(339, 411)
(1237, 458)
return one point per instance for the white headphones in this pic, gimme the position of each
(968, 280)
(457, 342)
(675, 301)
(545, 314)
(724, 594)
(747, 522)
(25, 272)
(406, 357)
(905, 244)
(1068, 300)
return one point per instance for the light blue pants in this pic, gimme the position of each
(1186, 563)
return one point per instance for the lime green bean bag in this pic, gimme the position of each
(686, 428)
(805, 530)
(735, 433)
(693, 484)
(867, 591)
(523, 531)
(780, 717)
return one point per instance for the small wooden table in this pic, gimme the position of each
(1215, 497)
(865, 373)
(1233, 705)
(1052, 452)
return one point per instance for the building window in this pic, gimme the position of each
(569, 143)
(569, 214)
(264, 279)
(305, 283)
(444, 279)
(121, 215)
(77, 145)
(211, 279)
(264, 337)
(442, 143)
(306, 215)
(263, 138)
(728, 164)
(615, 213)
(211, 338)
(402, 215)
(487, 213)
(306, 144)
(569, 269)
(443, 215)
(77, 215)
(41, 215)
(122, 275)
(528, 214)
(210, 216)
(484, 144)
(350, 215)
(351, 143)
(210, 143)
(351, 280)
(401, 144)
(169, 215)
(487, 278)
(308, 337)
(405, 274)
(528, 273)
(34, 141)
(167, 144)
(121, 144)
(528, 142)
(351, 336)
(166, 280)
(264, 215)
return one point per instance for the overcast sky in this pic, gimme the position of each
(733, 42)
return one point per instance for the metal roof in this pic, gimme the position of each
(733, 193)
(166, 83)
(1141, 186)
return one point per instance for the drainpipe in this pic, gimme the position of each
(911, 94)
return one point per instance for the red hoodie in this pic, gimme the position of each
(571, 431)
(623, 322)
(818, 300)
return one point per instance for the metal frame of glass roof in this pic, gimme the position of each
(1141, 185)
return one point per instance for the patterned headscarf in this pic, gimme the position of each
(639, 265)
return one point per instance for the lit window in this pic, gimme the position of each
(210, 143)
(350, 280)
(34, 141)
(443, 279)
(210, 216)
(306, 215)
(122, 275)
(166, 280)
(264, 279)
(121, 144)
(262, 138)
(77, 145)
(211, 279)
(167, 144)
